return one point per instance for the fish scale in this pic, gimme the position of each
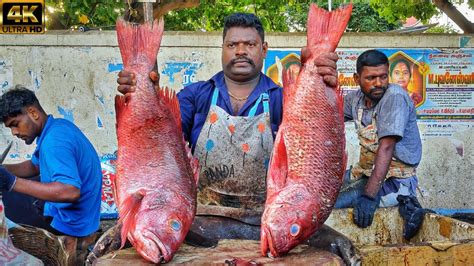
(308, 159)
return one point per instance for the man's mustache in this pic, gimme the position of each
(378, 88)
(242, 58)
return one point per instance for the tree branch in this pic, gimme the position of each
(454, 14)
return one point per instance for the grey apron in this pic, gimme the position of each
(369, 144)
(233, 153)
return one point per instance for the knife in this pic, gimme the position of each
(5, 152)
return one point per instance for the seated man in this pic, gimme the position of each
(66, 199)
(390, 144)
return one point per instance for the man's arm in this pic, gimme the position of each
(54, 191)
(347, 109)
(366, 204)
(348, 103)
(24, 169)
(10, 179)
(187, 107)
(382, 162)
(63, 180)
(391, 124)
(390, 128)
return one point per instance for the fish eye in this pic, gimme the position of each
(294, 229)
(175, 225)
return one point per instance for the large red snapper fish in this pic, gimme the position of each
(156, 175)
(309, 159)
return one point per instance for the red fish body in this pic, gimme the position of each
(308, 160)
(156, 185)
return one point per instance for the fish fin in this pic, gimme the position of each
(325, 28)
(136, 40)
(129, 209)
(168, 96)
(278, 170)
(263, 242)
(120, 105)
(193, 161)
(289, 86)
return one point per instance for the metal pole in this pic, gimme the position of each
(147, 10)
(330, 5)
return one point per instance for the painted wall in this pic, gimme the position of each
(74, 76)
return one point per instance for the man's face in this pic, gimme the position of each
(243, 53)
(401, 75)
(373, 81)
(24, 126)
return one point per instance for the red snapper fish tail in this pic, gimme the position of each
(325, 28)
(139, 43)
(129, 208)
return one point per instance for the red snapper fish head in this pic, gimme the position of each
(288, 221)
(162, 227)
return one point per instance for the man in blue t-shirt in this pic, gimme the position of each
(390, 144)
(69, 168)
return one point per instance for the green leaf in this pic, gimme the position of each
(276, 15)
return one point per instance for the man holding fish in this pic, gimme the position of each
(230, 122)
(231, 119)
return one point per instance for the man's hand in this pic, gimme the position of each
(364, 209)
(7, 180)
(127, 81)
(326, 63)
(109, 241)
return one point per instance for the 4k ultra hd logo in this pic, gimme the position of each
(21, 16)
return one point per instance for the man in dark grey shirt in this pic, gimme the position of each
(390, 144)
(396, 116)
